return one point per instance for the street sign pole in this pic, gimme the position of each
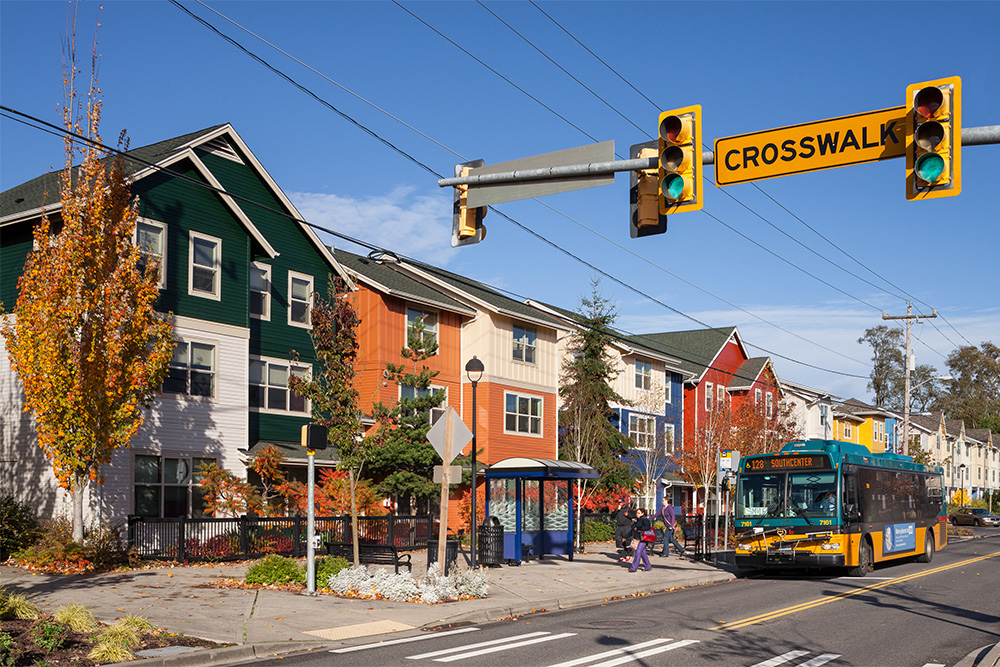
(449, 431)
(311, 524)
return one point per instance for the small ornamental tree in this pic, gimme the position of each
(88, 346)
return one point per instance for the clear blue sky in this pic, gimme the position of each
(751, 65)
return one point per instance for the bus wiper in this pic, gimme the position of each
(771, 511)
(802, 513)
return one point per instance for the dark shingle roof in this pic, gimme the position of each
(695, 349)
(748, 373)
(44, 190)
(383, 276)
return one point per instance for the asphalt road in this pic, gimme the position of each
(908, 614)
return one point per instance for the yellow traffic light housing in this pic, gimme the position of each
(467, 223)
(680, 170)
(934, 139)
(645, 218)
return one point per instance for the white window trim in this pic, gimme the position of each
(667, 388)
(267, 295)
(524, 345)
(709, 396)
(541, 417)
(434, 413)
(423, 314)
(278, 362)
(217, 294)
(633, 422)
(847, 431)
(669, 438)
(643, 378)
(162, 284)
(312, 288)
(187, 395)
(769, 405)
(191, 484)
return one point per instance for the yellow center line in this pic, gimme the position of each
(735, 625)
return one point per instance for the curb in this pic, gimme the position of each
(987, 656)
(228, 655)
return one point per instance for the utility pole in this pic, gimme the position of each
(909, 317)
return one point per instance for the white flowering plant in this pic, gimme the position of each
(432, 588)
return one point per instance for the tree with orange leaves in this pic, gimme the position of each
(88, 347)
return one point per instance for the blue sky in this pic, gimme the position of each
(801, 264)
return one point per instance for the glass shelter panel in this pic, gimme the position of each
(555, 510)
(530, 507)
(503, 502)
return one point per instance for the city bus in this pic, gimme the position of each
(831, 504)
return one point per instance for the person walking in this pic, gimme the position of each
(669, 519)
(642, 531)
(623, 530)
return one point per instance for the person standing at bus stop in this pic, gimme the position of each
(669, 519)
(642, 531)
(623, 530)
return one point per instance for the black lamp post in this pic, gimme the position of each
(474, 370)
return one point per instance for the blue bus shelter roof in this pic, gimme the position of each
(524, 467)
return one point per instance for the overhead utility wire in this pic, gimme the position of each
(56, 130)
(578, 259)
(561, 27)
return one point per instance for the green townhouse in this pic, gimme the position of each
(238, 275)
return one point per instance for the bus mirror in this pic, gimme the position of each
(851, 511)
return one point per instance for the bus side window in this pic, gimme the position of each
(850, 497)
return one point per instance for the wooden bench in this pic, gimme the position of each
(376, 554)
(692, 535)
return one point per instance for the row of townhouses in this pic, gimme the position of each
(239, 280)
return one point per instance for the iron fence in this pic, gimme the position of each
(212, 539)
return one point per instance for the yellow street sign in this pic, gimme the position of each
(824, 144)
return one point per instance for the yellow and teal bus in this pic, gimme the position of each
(827, 504)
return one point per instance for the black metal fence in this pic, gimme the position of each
(243, 537)
(699, 537)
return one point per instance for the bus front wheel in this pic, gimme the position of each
(928, 554)
(864, 560)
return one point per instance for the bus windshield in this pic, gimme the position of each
(799, 494)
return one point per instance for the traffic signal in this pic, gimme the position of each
(467, 223)
(934, 139)
(645, 218)
(680, 155)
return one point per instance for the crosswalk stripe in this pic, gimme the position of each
(608, 654)
(820, 660)
(494, 649)
(781, 659)
(404, 640)
(646, 653)
(456, 649)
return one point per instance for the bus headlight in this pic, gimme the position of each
(830, 546)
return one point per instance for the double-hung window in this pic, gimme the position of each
(522, 413)
(668, 438)
(413, 393)
(415, 318)
(642, 431)
(151, 240)
(168, 486)
(300, 291)
(524, 344)
(643, 375)
(260, 291)
(205, 254)
(192, 370)
(269, 388)
(709, 395)
(769, 402)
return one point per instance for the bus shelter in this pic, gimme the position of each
(533, 501)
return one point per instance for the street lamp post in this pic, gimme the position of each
(961, 482)
(905, 450)
(474, 370)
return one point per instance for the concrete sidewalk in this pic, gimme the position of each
(262, 622)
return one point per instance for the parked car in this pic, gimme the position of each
(974, 516)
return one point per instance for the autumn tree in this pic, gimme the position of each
(974, 395)
(698, 461)
(651, 455)
(755, 432)
(403, 463)
(587, 421)
(85, 340)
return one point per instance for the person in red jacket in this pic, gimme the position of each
(641, 526)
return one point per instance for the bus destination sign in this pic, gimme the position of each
(779, 463)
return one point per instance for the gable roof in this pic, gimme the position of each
(696, 349)
(380, 275)
(853, 406)
(748, 374)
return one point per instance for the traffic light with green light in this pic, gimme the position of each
(466, 223)
(679, 174)
(934, 139)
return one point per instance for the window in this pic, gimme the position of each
(709, 393)
(414, 318)
(524, 344)
(300, 290)
(757, 395)
(643, 375)
(522, 414)
(667, 387)
(668, 438)
(642, 431)
(413, 393)
(260, 291)
(823, 412)
(192, 370)
(769, 402)
(150, 238)
(205, 254)
(937, 441)
(269, 386)
(847, 430)
(721, 395)
(167, 486)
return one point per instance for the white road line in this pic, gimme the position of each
(646, 653)
(405, 640)
(456, 649)
(781, 659)
(820, 660)
(934, 664)
(608, 654)
(494, 649)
